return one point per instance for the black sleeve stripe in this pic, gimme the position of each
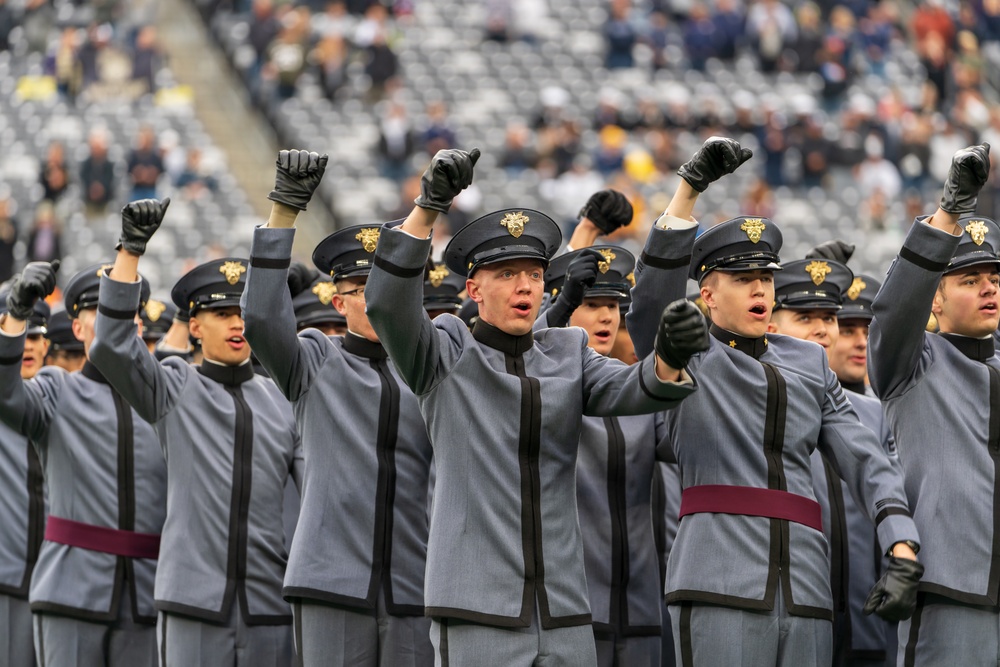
(665, 264)
(116, 314)
(922, 262)
(890, 511)
(645, 389)
(268, 263)
(10, 361)
(398, 271)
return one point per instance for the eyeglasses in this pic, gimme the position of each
(360, 291)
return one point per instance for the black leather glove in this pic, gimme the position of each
(608, 210)
(296, 178)
(580, 275)
(894, 596)
(717, 157)
(300, 277)
(970, 167)
(838, 251)
(449, 173)
(140, 220)
(37, 281)
(683, 333)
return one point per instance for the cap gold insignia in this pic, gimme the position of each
(818, 271)
(754, 228)
(854, 291)
(977, 230)
(154, 309)
(324, 291)
(368, 237)
(232, 271)
(104, 267)
(514, 222)
(608, 255)
(438, 274)
(631, 279)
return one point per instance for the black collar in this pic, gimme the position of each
(360, 346)
(231, 376)
(90, 372)
(755, 347)
(856, 387)
(977, 349)
(489, 335)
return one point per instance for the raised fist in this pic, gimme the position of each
(608, 210)
(449, 173)
(970, 167)
(296, 177)
(140, 220)
(838, 251)
(683, 332)
(717, 157)
(581, 273)
(37, 281)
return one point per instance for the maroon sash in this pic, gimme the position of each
(751, 501)
(98, 538)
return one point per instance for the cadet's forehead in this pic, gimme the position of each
(988, 268)
(521, 264)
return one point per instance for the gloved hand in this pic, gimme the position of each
(683, 332)
(970, 167)
(608, 210)
(580, 275)
(300, 277)
(296, 178)
(449, 173)
(37, 281)
(838, 251)
(894, 596)
(717, 157)
(140, 220)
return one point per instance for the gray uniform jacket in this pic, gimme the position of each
(855, 556)
(230, 443)
(102, 467)
(614, 476)
(755, 423)
(503, 413)
(363, 522)
(22, 512)
(950, 454)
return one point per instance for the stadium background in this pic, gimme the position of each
(853, 110)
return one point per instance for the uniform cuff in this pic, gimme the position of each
(656, 388)
(400, 253)
(119, 299)
(667, 221)
(930, 244)
(896, 528)
(271, 243)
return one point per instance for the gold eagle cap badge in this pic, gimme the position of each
(438, 274)
(514, 222)
(854, 291)
(232, 271)
(608, 255)
(818, 271)
(977, 230)
(369, 238)
(324, 291)
(631, 279)
(753, 227)
(154, 309)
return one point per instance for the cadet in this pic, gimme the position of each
(157, 317)
(941, 394)
(230, 443)
(314, 308)
(614, 475)
(505, 580)
(808, 295)
(749, 562)
(356, 570)
(441, 291)
(65, 349)
(23, 509)
(92, 588)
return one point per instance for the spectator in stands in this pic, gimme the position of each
(554, 101)
(44, 239)
(97, 173)
(37, 21)
(877, 173)
(499, 15)
(194, 180)
(700, 37)
(561, 143)
(729, 21)
(90, 51)
(8, 238)
(809, 42)
(988, 19)
(287, 54)
(758, 200)
(518, 151)
(145, 166)
(771, 29)
(610, 152)
(814, 148)
(774, 145)
(63, 64)
(567, 193)
(330, 58)
(658, 36)
(381, 66)
(264, 27)
(875, 34)
(620, 34)
(397, 141)
(439, 133)
(943, 142)
(930, 18)
(334, 21)
(914, 150)
(7, 23)
(147, 58)
(54, 175)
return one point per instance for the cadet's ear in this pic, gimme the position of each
(77, 328)
(937, 304)
(707, 294)
(472, 288)
(194, 327)
(772, 327)
(338, 303)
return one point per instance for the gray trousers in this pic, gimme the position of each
(60, 640)
(17, 648)
(460, 643)
(615, 651)
(187, 642)
(709, 635)
(334, 636)
(942, 633)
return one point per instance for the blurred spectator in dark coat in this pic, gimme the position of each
(97, 173)
(8, 238)
(518, 152)
(620, 35)
(264, 27)
(330, 58)
(7, 23)
(439, 133)
(814, 148)
(44, 239)
(729, 22)
(54, 175)
(809, 42)
(288, 53)
(988, 18)
(144, 165)
(771, 29)
(37, 21)
(382, 66)
(194, 180)
(700, 37)
(397, 142)
(147, 58)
